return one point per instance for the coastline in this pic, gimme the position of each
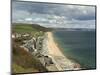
(61, 62)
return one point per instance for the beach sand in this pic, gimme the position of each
(52, 46)
(61, 62)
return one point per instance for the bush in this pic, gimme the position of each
(25, 60)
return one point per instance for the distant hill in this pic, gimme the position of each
(73, 29)
(41, 28)
(21, 27)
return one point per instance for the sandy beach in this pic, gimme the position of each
(61, 62)
(52, 46)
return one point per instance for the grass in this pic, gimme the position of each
(23, 28)
(19, 69)
(33, 29)
(23, 61)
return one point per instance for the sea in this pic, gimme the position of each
(78, 45)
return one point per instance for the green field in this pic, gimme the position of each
(23, 28)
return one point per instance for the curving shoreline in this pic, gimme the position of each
(62, 63)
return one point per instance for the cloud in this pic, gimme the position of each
(54, 15)
(28, 19)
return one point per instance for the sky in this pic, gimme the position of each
(54, 15)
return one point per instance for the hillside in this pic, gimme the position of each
(22, 28)
(23, 61)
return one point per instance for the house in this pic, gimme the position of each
(13, 36)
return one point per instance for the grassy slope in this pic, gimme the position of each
(22, 28)
(22, 60)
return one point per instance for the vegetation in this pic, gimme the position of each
(32, 29)
(23, 61)
(28, 28)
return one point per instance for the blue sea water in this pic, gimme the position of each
(79, 46)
